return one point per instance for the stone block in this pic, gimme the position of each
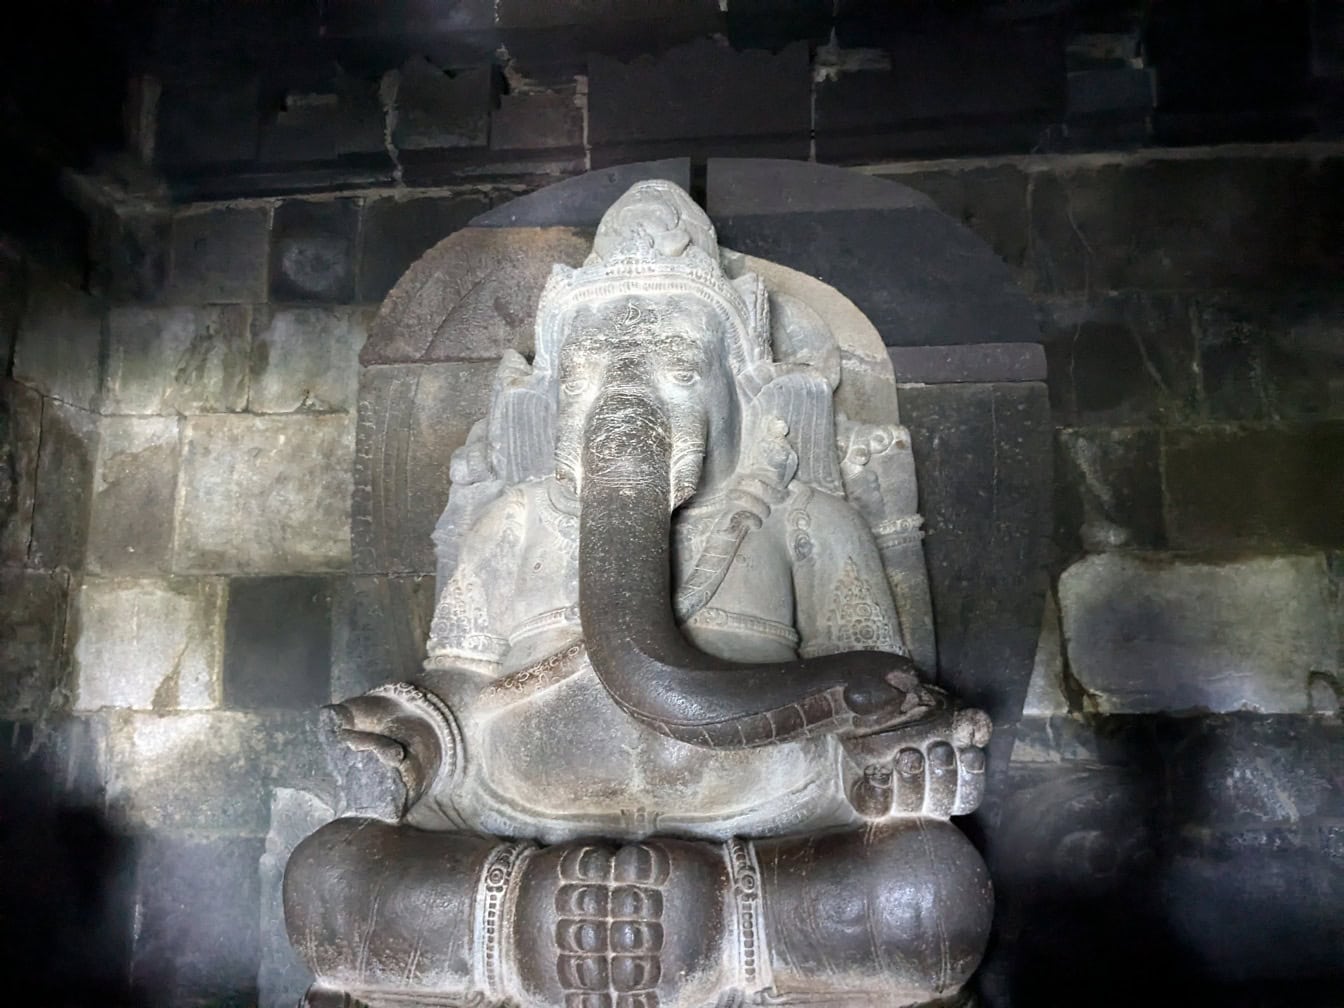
(1111, 91)
(1110, 489)
(197, 914)
(538, 121)
(992, 202)
(656, 108)
(975, 363)
(1255, 488)
(59, 346)
(207, 115)
(176, 360)
(439, 108)
(265, 494)
(344, 117)
(277, 643)
(1179, 224)
(134, 487)
(148, 644)
(305, 359)
(471, 297)
(983, 462)
(20, 438)
(397, 232)
(219, 255)
(1046, 695)
(62, 492)
(32, 644)
(313, 250)
(919, 276)
(411, 419)
(282, 977)
(1121, 358)
(380, 628)
(1155, 634)
(131, 258)
(580, 202)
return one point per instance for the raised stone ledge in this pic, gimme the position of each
(1153, 633)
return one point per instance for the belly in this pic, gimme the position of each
(568, 762)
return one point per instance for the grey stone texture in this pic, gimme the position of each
(1155, 634)
(134, 490)
(65, 464)
(976, 362)
(397, 230)
(20, 438)
(379, 631)
(580, 202)
(277, 643)
(437, 108)
(176, 360)
(264, 494)
(1109, 488)
(411, 419)
(313, 251)
(305, 359)
(472, 296)
(219, 255)
(1046, 690)
(148, 644)
(58, 350)
(33, 683)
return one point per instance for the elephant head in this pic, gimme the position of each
(652, 350)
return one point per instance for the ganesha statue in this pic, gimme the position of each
(673, 745)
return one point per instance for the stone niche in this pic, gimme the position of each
(930, 331)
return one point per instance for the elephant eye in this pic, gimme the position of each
(683, 376)
(573, 386)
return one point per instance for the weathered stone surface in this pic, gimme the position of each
(1121, 358)
(992, 202)
(282, 977)
(219, 255)
(437, 108)
(65, 464)
(581, 202)
(32, 644)
(20, 437)
(983, 464)
(380, 628)
(58, 350)
(277, 643)
(660, 107)
(313, 250)
(1045, 692)
(148, 644)
(411, 419)
(1161, 635)
(1233, 488)
(471, 297)
(1110, 489)
(176, 360)
(976, 363)
(746, 186)
(198, 908)
(305, 359)
(396, 232)
(131, 257)
(1179, 224)
(264, 494)
(538, 120)
(134, 486)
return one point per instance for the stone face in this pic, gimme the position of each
(134, 487)
(380, 627)
(1229, 488)
(277, 643)
(32, 644)
(199, 948)
(313, 251)
(305, 359)
(58, 350)
(65, 465)
(1157, 635)
(581, 202)
(396, 232)
(1109, 488)
(264, 494)
(148, 644)
(656, 108)
(471, 297)
(20, 438)
(411, 418)
(219, 255)
(176, 360)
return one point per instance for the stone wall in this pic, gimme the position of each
(178, 538)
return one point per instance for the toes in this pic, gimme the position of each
(970, 782)
(942, 775)
(909, 781)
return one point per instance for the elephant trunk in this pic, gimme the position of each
(636, 648)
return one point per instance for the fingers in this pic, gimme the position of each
(941, 787)
(970, 782)
(940, 781)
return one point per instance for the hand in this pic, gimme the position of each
(932, 767)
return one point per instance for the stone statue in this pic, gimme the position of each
(670, 746)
